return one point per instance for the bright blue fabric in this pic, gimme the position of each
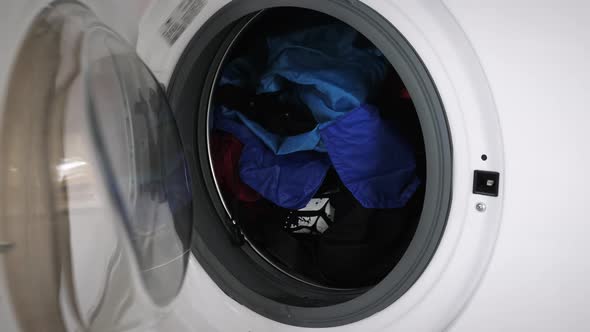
(332, 74)
(373, 161)
(289, 180)
(319, 67)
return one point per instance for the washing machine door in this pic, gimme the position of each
(95, 202)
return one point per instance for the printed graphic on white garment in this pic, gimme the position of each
(314, 218)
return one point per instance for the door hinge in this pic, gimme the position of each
(235, 233)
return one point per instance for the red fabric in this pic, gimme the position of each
(226, 151)
(404, 94)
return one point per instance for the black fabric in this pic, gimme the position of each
(404, 117)
(268, 110)
(399, 111)
(363, 245)
(359, 248)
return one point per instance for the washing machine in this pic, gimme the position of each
(111, 215)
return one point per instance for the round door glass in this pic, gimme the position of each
(142, 158)
(95, 200)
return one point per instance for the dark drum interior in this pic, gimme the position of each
(319, 154)
(342, 244)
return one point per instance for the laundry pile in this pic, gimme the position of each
(302, 139)
(303, 110)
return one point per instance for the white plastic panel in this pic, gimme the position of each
(156, 51)
(535, 56)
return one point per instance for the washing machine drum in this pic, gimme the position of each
(306, 102)
(322, 178)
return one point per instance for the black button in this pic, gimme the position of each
(486, 183)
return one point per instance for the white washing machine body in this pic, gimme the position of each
(512, 76)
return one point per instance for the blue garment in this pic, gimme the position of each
(289, 180)
(320, 68)
(242, 72)
(373, 161)
(332, 74)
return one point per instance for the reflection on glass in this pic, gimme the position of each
(137, 138)
(93, 182)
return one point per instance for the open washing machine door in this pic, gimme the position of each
(96, 208)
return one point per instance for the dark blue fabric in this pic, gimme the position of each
(289, 180)
(242, 72)
(373, 161)
(321, 68)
